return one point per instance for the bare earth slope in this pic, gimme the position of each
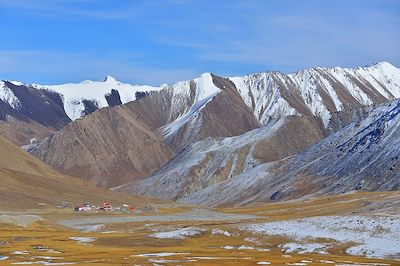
(108, 147)
(26, 182)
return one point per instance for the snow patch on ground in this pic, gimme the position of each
(375, 237)
(303, 248)
(169, 261)
(244, 247)
(20, 252)
(179, 233)
(93, 228)
(111, 232)
(220, 258)
(161, 254)
(217, 231)
(47, 258)
(83, 239)
(43, 263)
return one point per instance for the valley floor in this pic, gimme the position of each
(351, 229)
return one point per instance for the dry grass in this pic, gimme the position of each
(133, 239)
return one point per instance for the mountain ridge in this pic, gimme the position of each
(108, 145)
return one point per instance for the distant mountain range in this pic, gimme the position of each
(217, 140)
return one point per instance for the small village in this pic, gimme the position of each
(107, 207)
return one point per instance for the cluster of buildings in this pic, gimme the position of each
(87, 207)
(125, 208)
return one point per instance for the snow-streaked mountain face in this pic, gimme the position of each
(322, 93)
(110, 92)
(211, 160)
(208, 106)
(7, 96)
(203, 91)
(317, 91)
(365, 155)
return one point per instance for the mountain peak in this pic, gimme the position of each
(383, 64)
(110, 79)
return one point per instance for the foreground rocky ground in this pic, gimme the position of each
(350, 229)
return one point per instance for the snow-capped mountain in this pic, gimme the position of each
(40, 109)
(270, 95)
(82, 98)
(317, 91)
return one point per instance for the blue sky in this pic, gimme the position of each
(154, 42)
